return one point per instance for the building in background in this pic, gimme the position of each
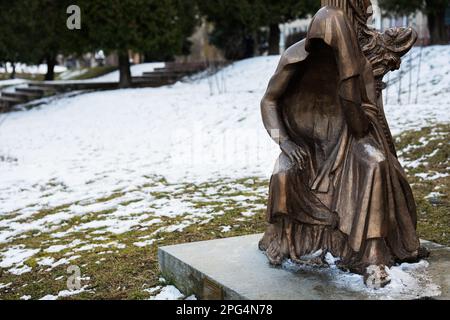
(293, 32)
(201, 49)
(384, 20)
(296, 30)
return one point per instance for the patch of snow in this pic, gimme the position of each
(313, 255)
(153, 290)
(168, 293)
(408, 281)
(225, 229)
(136, 70)
(145, 243)
(47, 261)
(4, 286)
(174, 227)
(32, 69)
(65, 294)
(49, 297)
(11, 82)
(16, 256)
(69, 293)
(59, 248)
(331, 260)
(51, 263)
(434, 195)
(432, 175)
(373, 152)
(17, 271)
(249, 214)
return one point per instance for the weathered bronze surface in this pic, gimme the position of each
(337, 185)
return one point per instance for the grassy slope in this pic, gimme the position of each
(433, 212)
(126, 273)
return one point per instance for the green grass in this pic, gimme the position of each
(125, 273)
(433, 213)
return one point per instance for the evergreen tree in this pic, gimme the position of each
(274, 13)
(434, 9)
(49, 35)
(35, 31)
(15, 43)
(158, 27)
(238, 22)
(235, 26)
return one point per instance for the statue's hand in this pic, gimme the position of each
(295, 153)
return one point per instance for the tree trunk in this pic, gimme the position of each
(255, 44)
(436, 25)
(274, 39)
(125, 72)
(51, 63)
(13, 73)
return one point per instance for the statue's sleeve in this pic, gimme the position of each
(270, 109)
(278, 84)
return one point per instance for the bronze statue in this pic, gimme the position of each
(337, 185)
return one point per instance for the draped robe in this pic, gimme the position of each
(357, 178)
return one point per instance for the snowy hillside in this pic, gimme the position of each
(186, 131)
(74, 151)
(190, 131)
(136, 71)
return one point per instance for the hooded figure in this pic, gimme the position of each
(337, 185)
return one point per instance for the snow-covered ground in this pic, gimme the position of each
(11, 82)
(74, 151)
(136, 70)
(33, 69)
(422, 94)
(96, 143)
(65, 74)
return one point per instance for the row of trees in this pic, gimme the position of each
(242, 25)
(34, 31)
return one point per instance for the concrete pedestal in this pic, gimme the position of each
(234, 269)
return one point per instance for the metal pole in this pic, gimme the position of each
(418, 74)
(410, 77)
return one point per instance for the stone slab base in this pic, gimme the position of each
(234, 269)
